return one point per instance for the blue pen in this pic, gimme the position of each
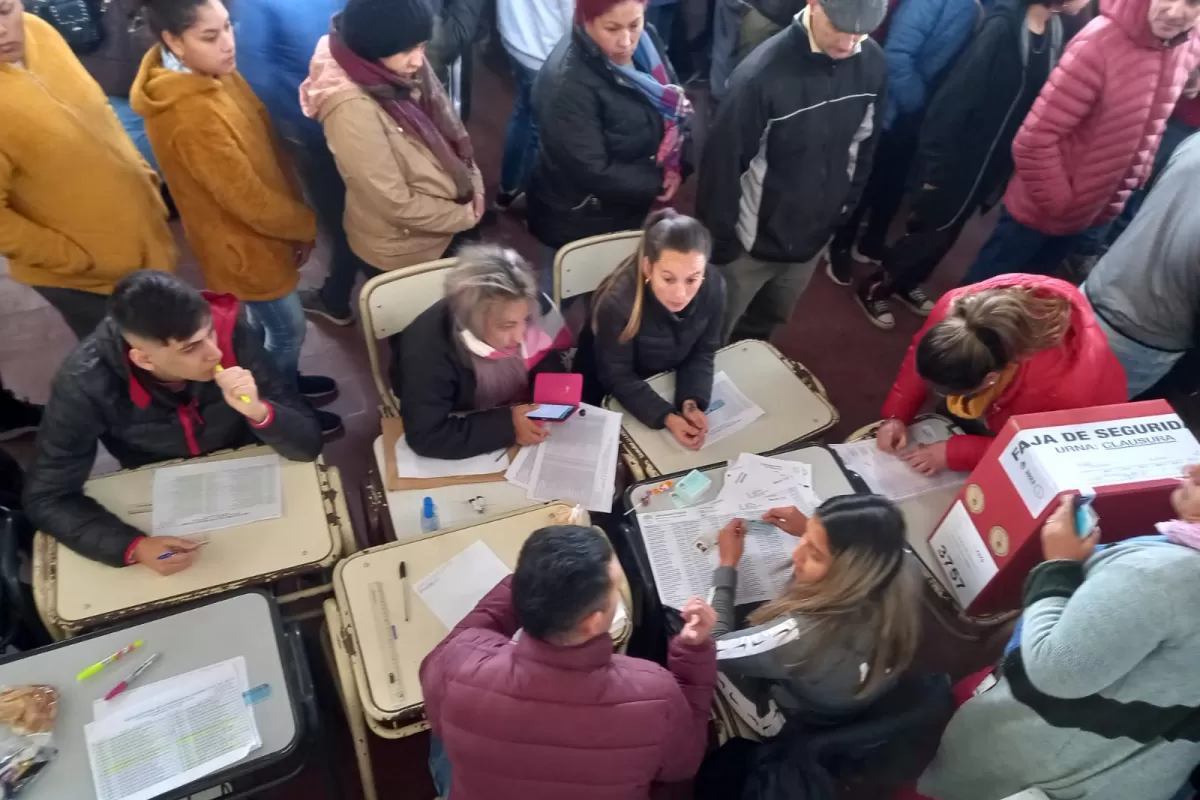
(165, 556)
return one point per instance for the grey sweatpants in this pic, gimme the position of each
(760, 295)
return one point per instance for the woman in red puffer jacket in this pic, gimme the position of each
(1016, 344)
(1090, 139)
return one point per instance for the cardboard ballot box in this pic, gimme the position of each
(1131, 455)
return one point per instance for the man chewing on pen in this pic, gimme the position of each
(146, 385)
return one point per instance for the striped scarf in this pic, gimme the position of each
(648, 74)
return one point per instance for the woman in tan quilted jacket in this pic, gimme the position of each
(411, 179)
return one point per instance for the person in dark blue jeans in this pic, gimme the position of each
(1014, 247)
(520, 139)
(276, 40)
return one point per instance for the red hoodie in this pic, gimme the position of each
(1080, 372)
(1091, 136)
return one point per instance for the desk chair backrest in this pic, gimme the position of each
(389, 303)
(580, 266)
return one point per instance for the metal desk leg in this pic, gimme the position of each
(343, 675)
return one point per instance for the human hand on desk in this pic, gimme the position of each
(237, 383)
(684, 432)
(892, 436)
(699, 619)
(927, 459)
(731, 542)
(152, 552)
(788, 519)
(529, 431)
(699, 420)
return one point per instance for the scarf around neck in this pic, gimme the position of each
(648, 74)
(418, 105)
(976, 405)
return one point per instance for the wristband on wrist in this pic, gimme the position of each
(129, 559)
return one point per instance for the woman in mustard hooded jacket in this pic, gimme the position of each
(241, 208)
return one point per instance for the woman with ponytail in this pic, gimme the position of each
(660, 310)
(838, 636)
(1015, 344)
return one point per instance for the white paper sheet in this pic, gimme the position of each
(682, 571)
(755, 484)
(411, 465)
(577, 463)
(195, 498)
(891, 476)
(457, 586)
(189, 727)
(520, 471)
(729, 411)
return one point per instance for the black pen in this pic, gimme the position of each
(404, 584)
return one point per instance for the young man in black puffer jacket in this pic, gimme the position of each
(146, 384)
(788, 157)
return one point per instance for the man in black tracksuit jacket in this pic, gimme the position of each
(108, 392)
(788, 156)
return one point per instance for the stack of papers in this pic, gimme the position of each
(577, 463)
(891, 476)
(411, 465)
(681, 543)
(452, 590)
(164, 735)
(195, 498)
(729, 411)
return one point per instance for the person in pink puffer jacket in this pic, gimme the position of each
(1090, 139)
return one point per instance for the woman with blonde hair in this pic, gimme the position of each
(463, 368)
(839, 635)
(1015, 344)
(659, 310)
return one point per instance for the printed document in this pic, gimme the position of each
(756, 484)
(577, 463)
(520, 471)
(195, 498)
(729, 411)
(411, 465)
(171, 733)
(891, 476)
(452, 590)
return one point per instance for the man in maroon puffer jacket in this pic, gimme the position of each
(1090, 139)
(556, 714)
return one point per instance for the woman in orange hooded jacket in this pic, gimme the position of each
(241, 208)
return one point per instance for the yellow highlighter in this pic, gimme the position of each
(94, 668)
(245, 399)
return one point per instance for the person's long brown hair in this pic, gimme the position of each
(665, 229)
(985, 331)
(870, 585)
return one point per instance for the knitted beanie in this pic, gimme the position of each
(376, 29)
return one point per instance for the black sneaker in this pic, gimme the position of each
(875, 307)
(916, 301)
(331, 424)
(310, 300)
(316, 387)
(839, 266)
(17, 417)
(505, 201)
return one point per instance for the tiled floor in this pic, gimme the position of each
(828, 333)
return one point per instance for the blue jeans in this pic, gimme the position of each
(325, 190)
(283, 327)
(662, 16)
(520, 140)
(727, 26)
(439, 766)
(1014, 247)
(1144, 366)
(135, 126)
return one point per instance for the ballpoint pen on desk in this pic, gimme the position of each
(244, 398)
(405, 585)
(94, 668)
(665, 486)
(137, 673)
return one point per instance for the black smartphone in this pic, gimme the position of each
(551, 412)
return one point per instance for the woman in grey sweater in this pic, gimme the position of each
(840, 634)
(1097, 698)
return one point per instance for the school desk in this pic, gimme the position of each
(74, 593)
(370, 599)
(795, 403)
(246, 624)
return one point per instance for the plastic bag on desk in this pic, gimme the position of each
(26, 731)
